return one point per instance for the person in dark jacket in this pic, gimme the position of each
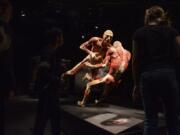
(47, 83)
(156, 46)
(7, 78)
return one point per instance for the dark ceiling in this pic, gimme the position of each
(85, 17)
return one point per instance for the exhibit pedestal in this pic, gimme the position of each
(101, 120)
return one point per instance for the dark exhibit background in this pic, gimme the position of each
(79, 20)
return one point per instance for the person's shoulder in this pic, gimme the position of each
(112, 49)
(140, 31)
(95, 38)
(172, 30)
(128, 52)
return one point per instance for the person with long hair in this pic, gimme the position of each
(156, 46)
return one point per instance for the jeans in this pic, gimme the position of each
(160, 84)
(48, 110)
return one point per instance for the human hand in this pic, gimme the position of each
(92, 54)
(103, 65)
(87, 64)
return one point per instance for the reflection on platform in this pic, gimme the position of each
(106, 120)
(113, 123)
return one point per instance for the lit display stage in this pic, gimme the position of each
(101, 120)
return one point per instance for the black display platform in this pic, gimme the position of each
(101, 120)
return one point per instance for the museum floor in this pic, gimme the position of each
(106, 119)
